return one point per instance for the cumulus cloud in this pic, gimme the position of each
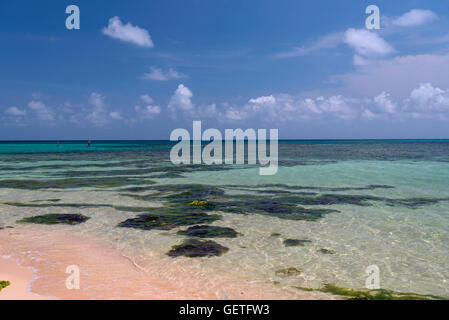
(384, 103)
(415, 17)
(128, 33)
(181, 101)
(159, 75)
(426, 97)
(149, 110)
(43, 112)
(14, 111)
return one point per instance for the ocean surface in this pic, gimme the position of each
(342, 205)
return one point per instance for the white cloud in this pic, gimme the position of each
(115, 115)
(128, 33)
(424, 101)
(233, 113)
(146, 98)
(367, 44)
(285, 107)
(398, 76)
(98, 114)
(43, 112)
(384, 103)
(329, 41)
(367, 113)
(149, 111)
(415, 17)
(263, 100)
(181, 101)
(14, 111)
(429, 98)
(159, 75)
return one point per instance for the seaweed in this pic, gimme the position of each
(56, 218)
(375, 294)
(197, 248)
(204, 231)
(287, 272)
(4, 284)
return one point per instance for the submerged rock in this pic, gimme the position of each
(295, 242)
(56, 218)
(197, 248)
(209, 232)
(287, 272)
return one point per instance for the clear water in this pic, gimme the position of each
(403, 229)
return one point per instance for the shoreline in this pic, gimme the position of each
(35, 260)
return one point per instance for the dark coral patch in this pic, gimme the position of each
(56, 218)
(295, 242)
(197, 248)
(204, 231)
(326, 251)
(167, 222)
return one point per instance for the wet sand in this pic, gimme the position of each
(35, 261)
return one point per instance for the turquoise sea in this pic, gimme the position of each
(334, 207)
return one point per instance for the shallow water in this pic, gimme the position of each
(387, 202)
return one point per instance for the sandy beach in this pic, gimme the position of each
(35, 262)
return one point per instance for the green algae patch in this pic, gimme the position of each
(326, 251)
(193, 248)
(56, 218)
(287, 272)
(204, 231)
(202, 204)
(295, 242)
(167, 221)
(377, 294)
(4, 284)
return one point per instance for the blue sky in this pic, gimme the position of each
(138, 70)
